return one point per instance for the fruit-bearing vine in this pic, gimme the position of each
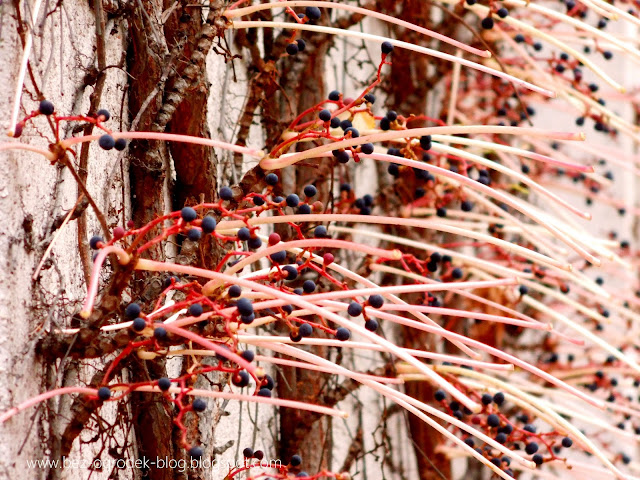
(462, 264)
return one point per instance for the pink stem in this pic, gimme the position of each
(316, 368)
(45, 396)
(371, 13)
(228, 354)
(275, 163)
(249, 398)
(123, 257)
(150, 265)
(170, 137)
(23, 146)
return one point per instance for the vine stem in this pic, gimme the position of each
(45, 396)
(23, 146)
(408, 46)
(150, 265)
(23, 69)
(239, 12)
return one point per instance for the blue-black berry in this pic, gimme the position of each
(106, 142)
(46, 107)
(245, 307)
(104, 393)
(94, 241)
(226, 193)
(343, 334)
(139, 324)
(386, 47)
(103, 113)
(195, 310)
(132, 311)
(208, 224)
(199, 405)
(188, 214)
(164, 384)
(354, 309)
(271, 179)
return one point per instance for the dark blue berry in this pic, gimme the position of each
(302, 45)
(120, 144)
(502, 12)
(103, 113)
(104, 393)
(325, 115)
(199, 405)
(160, 333)
(278, 257)
(320, 231)
(376, 301)
(208, 224)
(343, 334)
(244, 234)
(194, 234)
(292, 272)
(196, 452)
(139, 324)
(439, 395)
(94, 241)
(334, 95)
(264, 392)
(292, 48)
(106, 142)
(235, 291)
(248, 355)
(371, 325)
(254, 243)
(46, 107)
(354, 309)
(487, 23)
(313, 13)
(295, 461)
(226, 193)
(370, 97)
(385, 124)
(164, 384)
(310, 191)
(293, 200)
(367, 148)
(271, 179)
(335, 122)
(245, 307)
(305, 330)
(195, 310)
(531, 448)
(567, 442)
(132, 311)
(241, 379)
(386, 47)
(493, 420)
(309, 286)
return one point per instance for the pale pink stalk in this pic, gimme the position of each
(123, 258)
(315, 242)
(150, 265)
(316, 368)
(45, 396)
(465, 314)
(280, 402)
(25, 146)
(405, 45)
(168, 137)
(495, 352)
(413, 405)
(220, 350)
(240, 12)
(269, 163)
(492, 193)
(409, 222)
(267, 341)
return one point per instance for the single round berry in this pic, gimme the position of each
(120, 144)
(46, 107)
(425, 142)
(466, 206)
(313, 13)
(353, 131)
(310, 191)
(325, 115)
(132, 311)
(195, 310)
(487, 399)
(279, 257)
(439, 395)
(567, 442)
(199, 405)
(247, 452)
(305, 330)
(106, 142)
(370, 97)
(371, 325)
(538, 459)
(269, 382)
(456, 273)
(354, 309)
(160, 333)
(367, 148)
(271, 179)
(292, 272)
(254, 243)
(235, 291)
(309, 286)
(104, 393)
(531, 448)
(385, 123)
(304, 209)
(244, 234)
(194, 234)
(258, 201)
(245, 307)
(386, 47)
(247, 319)
(293, 200)
(103, 113)
(248, 355)
(502, 12)
(334, 95)
(487, 23)
(196, 452)
(335, 122)
(226, 193)
(344, 124)
(258, 455)
(208, 224)
(292, 48)
(264, 392)
(376, 301)
(241, 379)
(320, 232)
(94, 241)
(498, 398)
(295, 461)
(188, 214)
(493, 420)
(139, 324)
(343, 334)
(164, 384)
